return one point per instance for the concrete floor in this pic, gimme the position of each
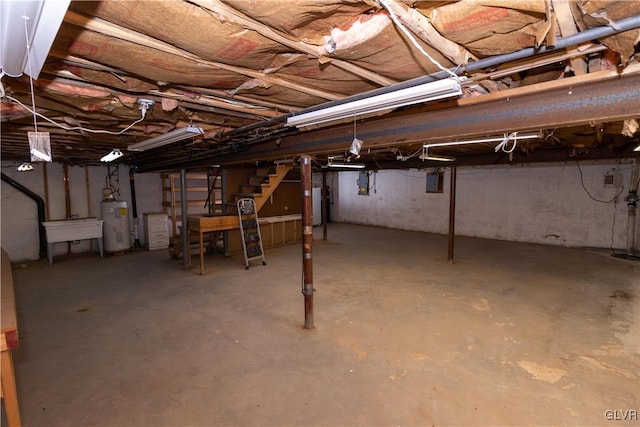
(511, 334)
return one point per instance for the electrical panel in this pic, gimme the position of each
(613, 179)
(363, 183)
(434, 182)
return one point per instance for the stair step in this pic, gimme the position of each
(249, 188)
(264, 171)
(257, 179)
(243, 195)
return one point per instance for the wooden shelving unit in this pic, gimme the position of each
(204, 196)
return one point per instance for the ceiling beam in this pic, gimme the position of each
(606, 100)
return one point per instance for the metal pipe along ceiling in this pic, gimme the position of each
(561, 43)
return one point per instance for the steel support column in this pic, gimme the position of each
(325, 208)
(186, 262)
(134, 210)
(307, 240)
(452, 214)
(67, 198)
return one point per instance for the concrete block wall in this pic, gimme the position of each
(19, 220)
(538, 203)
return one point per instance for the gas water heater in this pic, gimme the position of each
(116, 226)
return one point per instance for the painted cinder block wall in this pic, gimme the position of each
(19, 220)
(538, 203)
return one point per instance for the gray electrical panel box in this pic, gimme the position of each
(613, 179)
(434, 182)
(363, 183)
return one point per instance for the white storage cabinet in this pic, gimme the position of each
(156, 231)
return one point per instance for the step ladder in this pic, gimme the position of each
(250, 231)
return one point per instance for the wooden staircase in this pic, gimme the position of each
(262, 185)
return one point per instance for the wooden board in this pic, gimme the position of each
(8, 307)
(212, 223)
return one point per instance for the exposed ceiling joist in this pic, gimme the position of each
(226, 12)
(109, 29)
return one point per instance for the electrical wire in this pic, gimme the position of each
(513, 136)
(503, 144)
(410, 156)
(78, 128)
(590, 195)
(400, 25)
(33, 98)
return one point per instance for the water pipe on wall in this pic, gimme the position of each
(632, 204)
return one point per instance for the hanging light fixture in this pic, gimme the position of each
(167, 138)
(113, 155)
(25, 167)
(422, 93)
(438, 158)
(501, 140)
(27, 31)
(337, 162)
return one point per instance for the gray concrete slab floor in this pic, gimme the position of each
(510, 334)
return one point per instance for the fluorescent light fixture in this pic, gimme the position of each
(422, 93)
(167, 138)
(637, 148)
(346, 165)
(439, 158)
(27, 31)
(25, 167)
(113, 155)
(338, 162)
(482, 140)
(501, 140)
(426, 156)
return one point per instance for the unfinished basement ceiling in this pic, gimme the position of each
(237, 68)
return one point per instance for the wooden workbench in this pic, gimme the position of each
(206, 224)
(8, 342)
(198, 225)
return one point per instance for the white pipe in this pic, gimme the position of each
(632, 201)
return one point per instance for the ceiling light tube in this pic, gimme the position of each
(346, 165)
(113, 155)
(167, 138)
(331, 163)
(482, 140)
(439, 158)
(422, 93)
(426, 156)
(26, 51)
